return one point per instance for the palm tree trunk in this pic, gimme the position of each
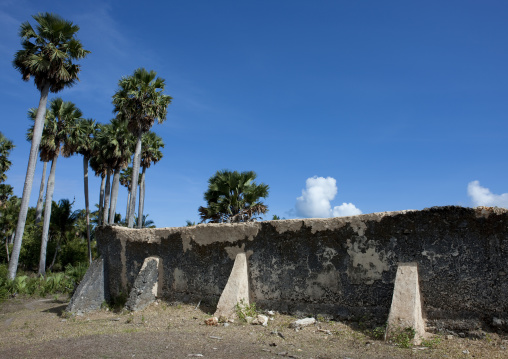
(47, 215)
(141, 198)
(101, 199)
(40, 200)
(7, 248)
(128, 202)
(87, 207)
(106, 197)
(114, 195)
(29, 179)
(134, 182)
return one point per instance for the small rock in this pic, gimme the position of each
(449, 337)
(212, 321)
(503, 347)
(195, 355)
(214, 337)
(302, 323)
(260, 320)
(327, 332)
(283, 354)
(270, 313)
(462, 335)
(465, 351)
(249, 319)
(273, 344)
(226, 324)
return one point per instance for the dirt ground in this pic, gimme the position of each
(37, 328)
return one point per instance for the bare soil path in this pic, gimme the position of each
(36, 328)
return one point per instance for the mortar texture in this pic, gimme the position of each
(342, 267)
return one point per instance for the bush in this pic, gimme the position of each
(244, 310)
(52, 283)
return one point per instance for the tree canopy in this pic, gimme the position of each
(48, 52)
(233, 197)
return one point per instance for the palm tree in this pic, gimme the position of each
(116, 144)
(47, 56)
(44, 157)
(233, 197)
(62, 119)
(150, 153)
(82, 140)
(140, 101)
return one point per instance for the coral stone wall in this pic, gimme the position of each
(344, 267)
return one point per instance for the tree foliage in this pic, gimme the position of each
(233, 197)
(49, 51)
(6, 146)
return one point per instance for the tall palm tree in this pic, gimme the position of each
(140, 101)
(150, 154)
(100, 164)
(64, 116)
(47, 55)
(44, 157)
(82, 139)
(122, 144)
(233, 197)
(116, 142)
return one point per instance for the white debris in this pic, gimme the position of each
(301, 323)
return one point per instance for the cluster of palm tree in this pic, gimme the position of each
(48, 56)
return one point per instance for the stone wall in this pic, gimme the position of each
(341, 267)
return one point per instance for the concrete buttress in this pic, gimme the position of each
(236, 290)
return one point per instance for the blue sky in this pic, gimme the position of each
(395, 104)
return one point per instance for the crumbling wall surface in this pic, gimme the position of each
(344, 267)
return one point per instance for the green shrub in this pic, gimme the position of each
(403, 337)
(378, 332)
(52, 283)
(432, 342)
(245, 310)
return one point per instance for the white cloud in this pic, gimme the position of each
(315, 200)
(482, 196)
(345, 209)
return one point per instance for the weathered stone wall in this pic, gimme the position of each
(344, 267)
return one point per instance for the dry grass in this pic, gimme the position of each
(36, 328)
